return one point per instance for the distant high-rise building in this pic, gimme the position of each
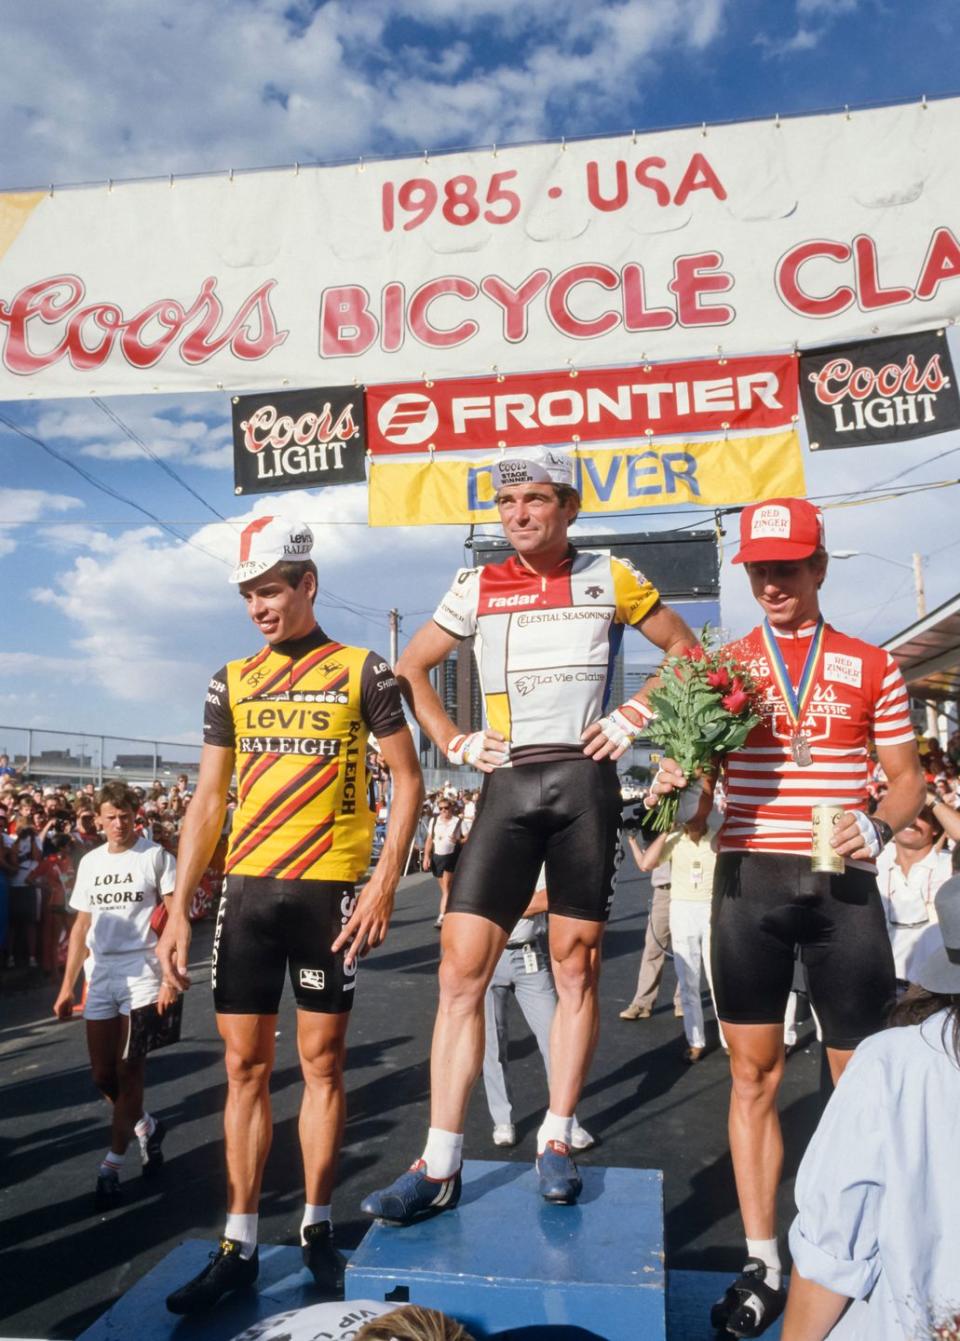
(616, 695)
(634, 678)
(458, 685)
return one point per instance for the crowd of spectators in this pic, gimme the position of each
(45, 829)
(941, 768)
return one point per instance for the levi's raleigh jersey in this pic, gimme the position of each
(297, 716)
(545, 645)
(859, 695)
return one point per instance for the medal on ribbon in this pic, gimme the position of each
(795, 700)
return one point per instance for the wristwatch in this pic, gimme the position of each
(883, 831)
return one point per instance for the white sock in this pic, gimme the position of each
(443, 1153)
(766, 1250)
(313, 1215)
(111, 1163)
(554, 1128)
(243, 1230)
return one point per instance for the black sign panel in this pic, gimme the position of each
(298, 439)
(890, 390)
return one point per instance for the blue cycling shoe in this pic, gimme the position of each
(559, 1179)
(413, 1196)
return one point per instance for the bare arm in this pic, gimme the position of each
(428, 848)
(371, 917)
(647, 858)
(202, 826)
(538, 904)
(76, 954)
(946, 817)
(426, 649)
(906, 792)
(812, 1310)
(665, 629)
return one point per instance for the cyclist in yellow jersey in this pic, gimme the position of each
(546, 625)
(293, 721)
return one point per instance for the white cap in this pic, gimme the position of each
(543, 468)
(270, 540)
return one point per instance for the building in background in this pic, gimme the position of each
(456, 681)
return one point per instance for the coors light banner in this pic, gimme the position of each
(298, 439)
(879, 391)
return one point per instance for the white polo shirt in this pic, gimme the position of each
(908, 903)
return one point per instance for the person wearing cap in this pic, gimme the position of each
(876, 1192)
(546, 625)
(822, 697)
(293, 719)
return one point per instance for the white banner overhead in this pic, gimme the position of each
(745, 237)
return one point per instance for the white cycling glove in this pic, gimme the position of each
(622, 726)
(868, 832)
(465, 749)
(619, 730)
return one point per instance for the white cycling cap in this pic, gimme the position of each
(270, 540)
(542, 468)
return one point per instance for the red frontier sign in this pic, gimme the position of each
(592, 405)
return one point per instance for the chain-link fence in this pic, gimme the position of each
(76, 757)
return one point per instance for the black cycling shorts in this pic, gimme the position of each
(768, 904)
(440, 865)
(565, 813)
(264, 926)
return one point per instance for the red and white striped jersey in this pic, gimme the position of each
(859, 696)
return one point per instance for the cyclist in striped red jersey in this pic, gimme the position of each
(823, 697)
(293, 719)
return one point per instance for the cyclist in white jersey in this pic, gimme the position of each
(546, 626)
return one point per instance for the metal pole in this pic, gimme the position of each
(154, 743)
(29, 752)
(918, 586)
(394, 637)
(100, 758)
(933, 726)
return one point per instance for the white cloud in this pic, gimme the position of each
(250, 83)
(815, 18)
(31, 663)
(151, 619)
(827, 6)
(26, 505)
(184, 432)
(20, 506)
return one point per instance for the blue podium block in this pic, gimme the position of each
(284, 1284)
(506, 1259)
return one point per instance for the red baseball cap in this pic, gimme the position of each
(779, 529)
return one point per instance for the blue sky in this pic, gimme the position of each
(112, 624)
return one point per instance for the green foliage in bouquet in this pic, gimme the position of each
(705, 708)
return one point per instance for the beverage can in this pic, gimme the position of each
(823, 857)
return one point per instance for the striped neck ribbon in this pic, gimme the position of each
(797, 699)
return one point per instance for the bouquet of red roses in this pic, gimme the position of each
(704, 707)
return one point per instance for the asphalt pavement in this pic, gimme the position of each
(62, 1265)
